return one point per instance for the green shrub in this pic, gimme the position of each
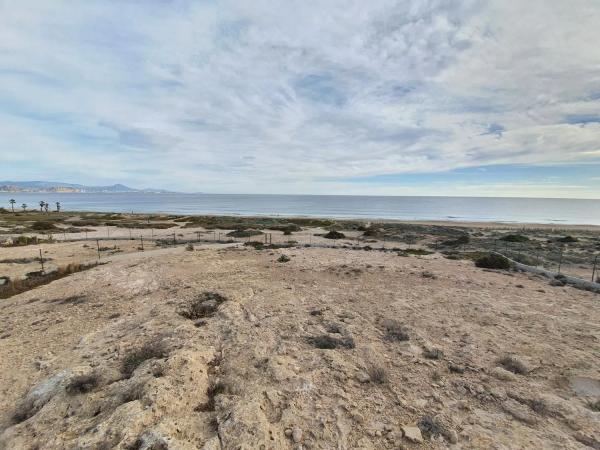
(334, 235)
(514, 238)
(568, 239)
(43, 226)
(244, 233)
(493, 261)
(461, 240)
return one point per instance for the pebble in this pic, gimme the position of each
(503, 374)
(363, 377)
(452, 436)
(296, 434)
(412, 433)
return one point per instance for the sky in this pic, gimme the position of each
(382, 97)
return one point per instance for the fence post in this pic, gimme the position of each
(594, 269)
(142, 241)
(130, 234)
(41, 260)
(560, 260)
(174, 239)
(98, 247)
(198, 236)
(107, 232)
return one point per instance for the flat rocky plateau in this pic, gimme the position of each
(232, 348)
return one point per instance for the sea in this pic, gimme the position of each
(460, 209)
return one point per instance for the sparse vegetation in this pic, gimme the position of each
(395, 331)
(513, 364)
(43, 226)
(430, 427)
(463, 239)
(135, 357)
(493, 261)
(327, 342)
(82, 384)
(189, 247)
(283, 259)
(205, 305)
(334, 235)
(244, 233)
(14, 287)
(416, 251)
(514, 238)
(568, 240)
(593, 405)
(433, 353)
(377, 374)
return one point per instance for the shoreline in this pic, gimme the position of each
(441, 222)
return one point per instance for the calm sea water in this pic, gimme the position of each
(559, 211)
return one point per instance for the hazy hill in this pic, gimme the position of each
(52, 186)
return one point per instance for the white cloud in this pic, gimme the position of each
(269, 96)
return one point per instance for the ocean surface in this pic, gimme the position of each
(509, 210)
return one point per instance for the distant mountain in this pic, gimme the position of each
(51, 186)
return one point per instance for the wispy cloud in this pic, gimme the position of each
(269, 96)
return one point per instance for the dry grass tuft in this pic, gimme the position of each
(133, 359)
(82, 384)
(513, 364)
(395, 331)
(205, 305)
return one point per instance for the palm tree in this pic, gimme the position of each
(24, 206)
(57, 206)
(42, 203)
(12, 204)
(46, 206)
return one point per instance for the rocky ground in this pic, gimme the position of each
(234, 348)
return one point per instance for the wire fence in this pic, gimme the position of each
(581, 260)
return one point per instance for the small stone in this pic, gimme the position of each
(503, 374)
(288, 432)
(516, 410)
(452, 436)
(296, 434)
(413, 434)
(363, 377)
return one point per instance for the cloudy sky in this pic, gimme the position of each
(429, 97)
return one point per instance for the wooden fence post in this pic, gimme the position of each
(560, 260)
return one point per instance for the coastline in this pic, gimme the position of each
(453, 211)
